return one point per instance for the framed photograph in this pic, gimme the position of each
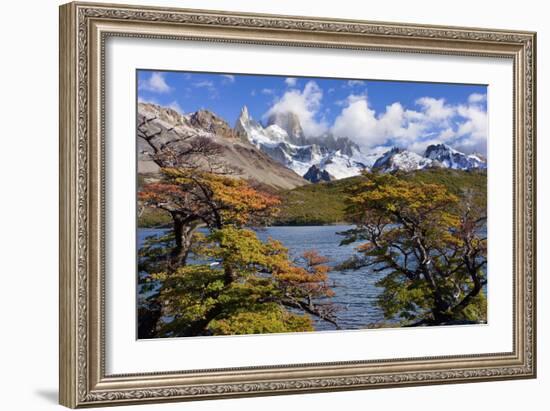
(259, 204)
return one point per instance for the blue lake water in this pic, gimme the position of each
(355, 291)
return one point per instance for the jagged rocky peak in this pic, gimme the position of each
(289, 122)
(242, 124)
(165, 114)
(244, 113)
(440, 151)
(342, 144)
(158, 138)
(244, 119)
(451, 158)
(340, 157)
(284, 141)
(401, 159)
(387, 155)
(316, 175)
(249, 130)
(479, 156)
(211, 123)
(346, 146)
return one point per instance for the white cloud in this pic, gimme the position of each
(477, 98)
(358, 122)
(461, 126)
(352, 98)
(353, 83)
(229, 78)
(155, 84)
(473, 130)
(305, 104)
(267, 91)
(414, 115)
(291, 81)
(362, 124)
(420, 146)
(436, 110)
(476, 121)
(204, 83)
(447, 135)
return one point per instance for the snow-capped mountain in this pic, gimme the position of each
(290, 123)
(400, 159)
(436, 156)
(163, 133)
(325, 157)
(451, 158)
(315, 174)
(341, 165)
(284, 141)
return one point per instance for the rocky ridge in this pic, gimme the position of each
(165, 131)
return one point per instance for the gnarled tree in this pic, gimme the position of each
(250, 287)
(196, 198)
(236, 283)
(429, 245)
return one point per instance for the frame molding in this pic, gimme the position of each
(84, 27)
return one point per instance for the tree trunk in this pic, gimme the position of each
(229, 275)
(148, 317)
(183, 233)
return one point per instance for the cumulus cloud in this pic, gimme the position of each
(477, 98)
(358, 121)
(369, 129)
(291, 81)
(435, 121)
(352, 98)
(354, 83)
(472, 132)
(155, 84)
(305, 104)
(436, 110)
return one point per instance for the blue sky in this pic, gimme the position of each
(372, 113)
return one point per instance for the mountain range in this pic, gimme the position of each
(164, 130)
(328, 157)
(277, 153)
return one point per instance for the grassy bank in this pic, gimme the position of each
(324, 203)
(314, 204)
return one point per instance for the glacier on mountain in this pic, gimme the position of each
(283, 140)
(340, 157)
(451, 158)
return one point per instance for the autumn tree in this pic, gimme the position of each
(251, 287)
(428, 245)
(237, 283)
(196, 198)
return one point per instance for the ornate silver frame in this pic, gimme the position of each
(83, 30)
